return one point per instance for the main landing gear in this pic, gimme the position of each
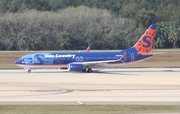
(87, 69)
(29, 71)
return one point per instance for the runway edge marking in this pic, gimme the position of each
(80, 103)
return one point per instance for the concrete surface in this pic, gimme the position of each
(108, 86)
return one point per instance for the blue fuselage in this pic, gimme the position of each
(60, 59)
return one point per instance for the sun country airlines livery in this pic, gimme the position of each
(84, 62)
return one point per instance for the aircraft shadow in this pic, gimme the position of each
(111, 72)
(114, 72)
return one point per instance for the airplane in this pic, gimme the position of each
(84, 62)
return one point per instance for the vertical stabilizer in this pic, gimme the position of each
(144, 45)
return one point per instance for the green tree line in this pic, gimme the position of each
(73, 24)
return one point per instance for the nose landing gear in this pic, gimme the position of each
(29, 70)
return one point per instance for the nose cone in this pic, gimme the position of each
(19, 61)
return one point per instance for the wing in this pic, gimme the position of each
(97, 63)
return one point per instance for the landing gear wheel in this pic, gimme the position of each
(89, 70)
(29, 71)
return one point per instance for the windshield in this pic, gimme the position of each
(27, 57)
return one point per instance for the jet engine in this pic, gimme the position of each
(75, 67)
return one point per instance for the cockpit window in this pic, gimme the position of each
(26, 58)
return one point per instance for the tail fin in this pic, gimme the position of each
(144, 45)
(88, 48)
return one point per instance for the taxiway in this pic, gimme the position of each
(108, 86)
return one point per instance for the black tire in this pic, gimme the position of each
(29, 71)
(89, 70)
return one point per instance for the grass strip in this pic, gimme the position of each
(87, 109)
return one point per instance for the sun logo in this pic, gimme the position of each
(144, 45)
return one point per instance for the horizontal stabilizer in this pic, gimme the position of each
(153, 53)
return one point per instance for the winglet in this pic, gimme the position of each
(88, 48)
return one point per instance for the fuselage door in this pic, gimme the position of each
(132, 57)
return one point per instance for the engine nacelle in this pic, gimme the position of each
(75, 67)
